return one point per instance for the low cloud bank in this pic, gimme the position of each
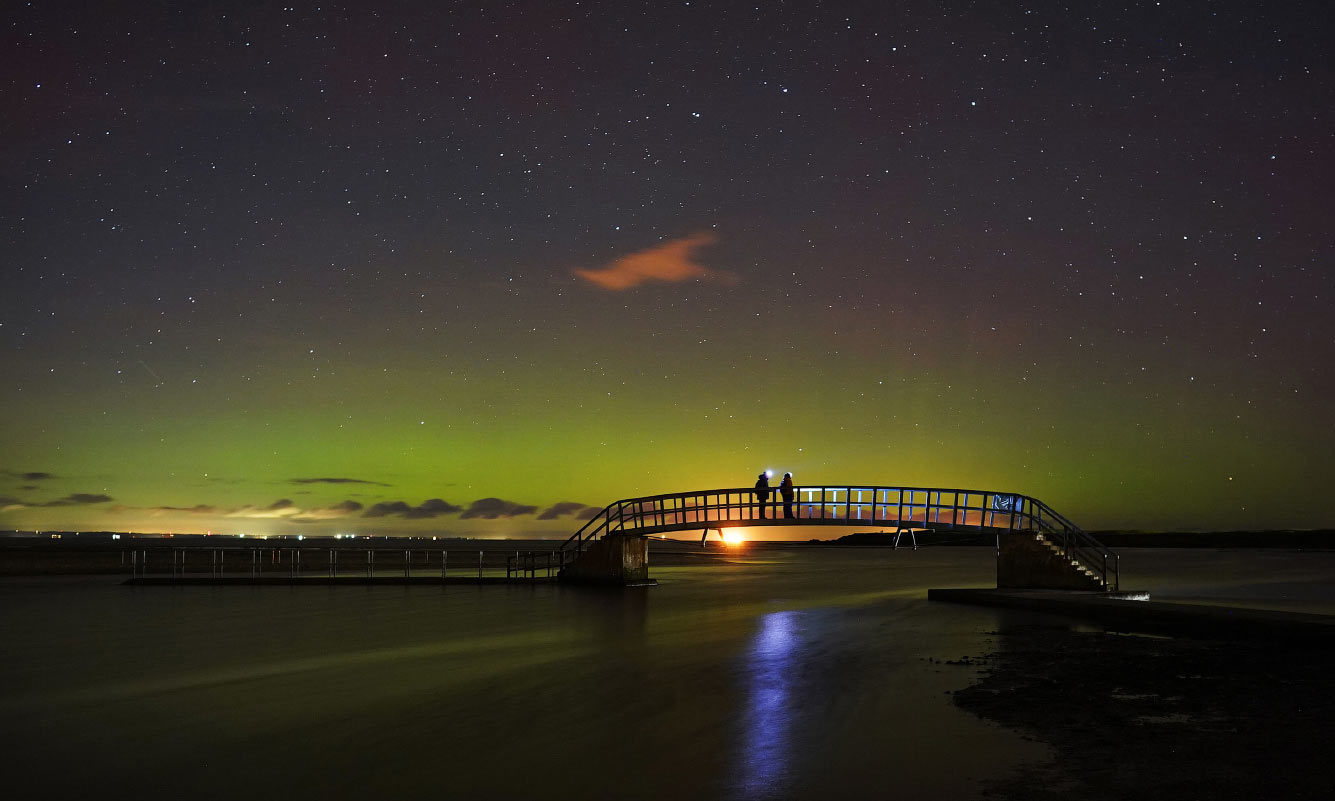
(289, 510)
(78, 498)
(492, 508)
(336, 480)
(580, 511)
(197, 509)
(434, 507)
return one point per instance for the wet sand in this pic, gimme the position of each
(1160, 718)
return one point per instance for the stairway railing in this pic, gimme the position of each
(1078, 545)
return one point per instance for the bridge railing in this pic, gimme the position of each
(902, 507)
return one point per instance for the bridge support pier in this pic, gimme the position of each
(615, 559)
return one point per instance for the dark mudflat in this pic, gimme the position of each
(1161, 718)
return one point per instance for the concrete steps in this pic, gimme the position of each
(1029, 560)
(1074, 563)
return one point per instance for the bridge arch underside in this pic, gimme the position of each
(898, 525)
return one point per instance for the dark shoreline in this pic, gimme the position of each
(1160, 718)
(1315, 539)
(105, 553)
(1311, 539)
(1114, 538)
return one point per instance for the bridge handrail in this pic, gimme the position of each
(606, 518)
(738, 505)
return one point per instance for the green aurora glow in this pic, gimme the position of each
(294, 275)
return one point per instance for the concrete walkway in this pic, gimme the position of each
(1132, 611)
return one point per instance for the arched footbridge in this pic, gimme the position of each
(1052, 550)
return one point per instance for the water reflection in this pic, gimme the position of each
(703, 687)
(767, 723)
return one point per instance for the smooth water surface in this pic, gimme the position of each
(1288, 580)
(782, 674)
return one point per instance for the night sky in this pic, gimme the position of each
(471, 268)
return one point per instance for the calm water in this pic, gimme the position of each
(1293, 581)
(798, 675)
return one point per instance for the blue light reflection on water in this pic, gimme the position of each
(766, 740)
(785, 675)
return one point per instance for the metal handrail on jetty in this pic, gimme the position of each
(256, 563)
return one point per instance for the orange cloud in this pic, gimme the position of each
(670, 262)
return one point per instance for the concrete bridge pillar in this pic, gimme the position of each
(614, 559)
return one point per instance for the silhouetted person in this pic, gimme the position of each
(787, 490)
(762, 492)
